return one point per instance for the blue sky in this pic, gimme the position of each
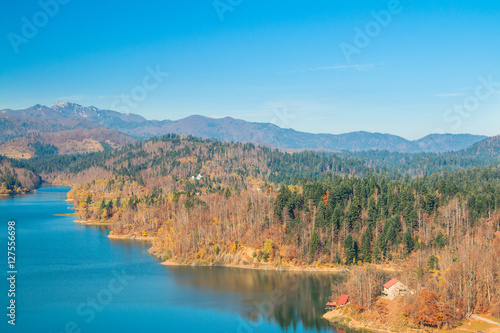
(421, 67)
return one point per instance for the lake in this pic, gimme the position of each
(73, 278)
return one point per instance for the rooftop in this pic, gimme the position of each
(391, 283)
(343, 299)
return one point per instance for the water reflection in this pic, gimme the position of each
(287, 298)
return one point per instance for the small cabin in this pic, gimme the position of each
(331, 305)
(336, 304)
(394, 288)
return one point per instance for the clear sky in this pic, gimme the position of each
(403, 67)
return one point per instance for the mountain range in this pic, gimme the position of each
(66, 116)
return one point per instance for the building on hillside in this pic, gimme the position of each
(343, 300)
(394, 288)
(331, 305)
(337, 304)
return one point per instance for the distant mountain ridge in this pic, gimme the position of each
(489, 148)
(66, 115)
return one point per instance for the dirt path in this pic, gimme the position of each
(485, 320)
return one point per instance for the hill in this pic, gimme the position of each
(75, 141)
(447, 142)
(65, 115)
(15, 180)
(489, 147)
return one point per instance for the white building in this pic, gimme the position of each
(394, 288)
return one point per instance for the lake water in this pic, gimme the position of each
(73, 278)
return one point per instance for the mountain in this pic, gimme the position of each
(36, 119)
(67, 110)
(65, 115)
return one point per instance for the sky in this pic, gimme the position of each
(404, 67)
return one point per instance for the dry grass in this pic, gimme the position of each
(17, 151)
(473, 325)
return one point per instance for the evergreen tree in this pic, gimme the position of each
(350, 249)
(407, 242)
(314, 244)
(366, 245)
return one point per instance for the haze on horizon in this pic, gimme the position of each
(408, 68)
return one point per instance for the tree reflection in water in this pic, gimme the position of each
(287, 298)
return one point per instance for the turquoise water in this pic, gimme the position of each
(72, 278)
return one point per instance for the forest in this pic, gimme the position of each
(203, 202)
(15, 180)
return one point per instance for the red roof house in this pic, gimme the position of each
(341, 302)
(343, 299)
(391, 283)
(394, 288)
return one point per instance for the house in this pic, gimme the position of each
(341, 302)
(331, 305)
(394, 288)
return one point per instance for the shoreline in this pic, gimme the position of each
(92, 222)
(337, 270)
(338, 317)
(132, 237)
(153, 251)
(270, 266)
(467, 325)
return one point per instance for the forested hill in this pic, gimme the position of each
(483, 153)
(65, 115)
(16, 180)
(207, 202)
(181, 156)
(75, 141)
(163, 161)
(488, 148)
